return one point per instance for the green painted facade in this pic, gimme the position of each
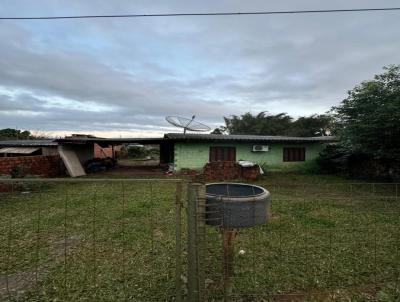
(194, 155)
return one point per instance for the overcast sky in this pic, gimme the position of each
(122, 77)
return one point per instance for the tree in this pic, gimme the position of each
(279, 124)
(137, 152)
(260, 124)
(314, 125)
(368, 120)
(219, 130)
(9, 133)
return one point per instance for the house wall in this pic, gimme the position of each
(49, 150)
(195, 155)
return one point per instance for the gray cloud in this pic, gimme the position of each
(129, 74)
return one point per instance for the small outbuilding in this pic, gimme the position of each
(34, 157)
(29, 147)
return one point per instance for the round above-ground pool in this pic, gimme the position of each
(236, 205)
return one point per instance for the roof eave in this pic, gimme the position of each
(179, 137)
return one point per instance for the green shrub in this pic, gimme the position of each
(137, 152)
(17, 171)
(333, 159)
(311, 167)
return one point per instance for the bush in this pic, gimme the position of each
(366, 167)
(154, 152)
(137, 152)
(17, 171)
(311, 167)
(332, 159)
(336, 159)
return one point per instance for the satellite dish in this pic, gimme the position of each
(187, 124)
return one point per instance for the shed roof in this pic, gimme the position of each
(110, 141)
(18, 150)
(28, 143)
(245, 138)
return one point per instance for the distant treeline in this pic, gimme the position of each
(15, 134)
(9, 133)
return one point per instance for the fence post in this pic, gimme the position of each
(178, 243)
(196, 237)
(201, 237)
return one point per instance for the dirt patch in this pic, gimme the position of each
(138, 163)
(157, 233)
(133, 171)
(275, 216)
(334, 295)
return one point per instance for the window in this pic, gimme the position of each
(222, 154)
(294, 154)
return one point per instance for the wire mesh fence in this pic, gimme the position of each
(91, 240)
(333, 242)
(130, 240)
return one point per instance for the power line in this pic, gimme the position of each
(206, 14)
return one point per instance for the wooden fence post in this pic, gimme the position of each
(178, 242)
(196, 241)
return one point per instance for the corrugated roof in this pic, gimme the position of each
(251, 138)
(18, 150)
(88, 140)
(168, 136)
(28, 143)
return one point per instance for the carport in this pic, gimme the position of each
(76, 151)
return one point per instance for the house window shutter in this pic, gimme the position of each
(294, 154)
(222, 154)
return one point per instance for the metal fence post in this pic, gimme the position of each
(196, 236)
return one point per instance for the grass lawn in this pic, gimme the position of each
(115, 241)
(97, 241)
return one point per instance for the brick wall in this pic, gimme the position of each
(222, 170)
(225, 170)
(46, 166)
(100, 152)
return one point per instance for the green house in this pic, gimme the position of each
(193, 151)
